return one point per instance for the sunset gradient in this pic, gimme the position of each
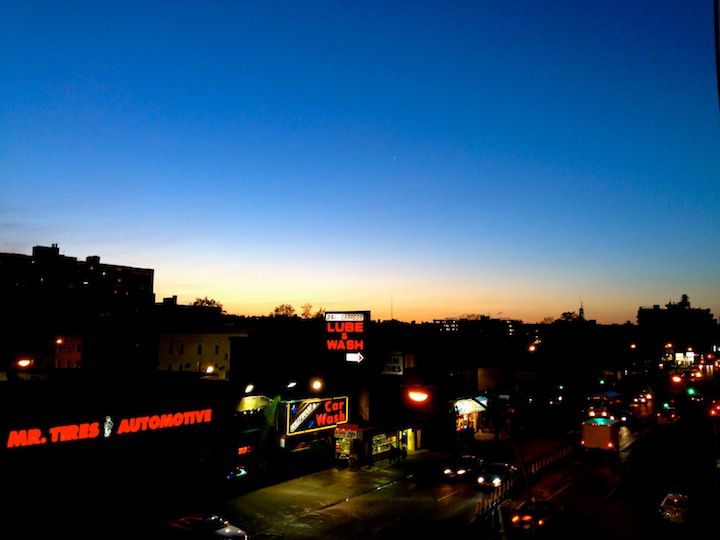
(420, 160)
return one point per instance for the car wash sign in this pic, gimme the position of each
(345, 333)
(315, 414)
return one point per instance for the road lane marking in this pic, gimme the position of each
(448, 495)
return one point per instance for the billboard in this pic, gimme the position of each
(38, 436)
(345, 333)
(310, 415)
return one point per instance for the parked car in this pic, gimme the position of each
(496, 475)
(674, 508)
(210, 526)
(465, 467)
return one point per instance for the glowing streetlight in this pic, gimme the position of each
(418, 396)
(316, 385)
(24, 363)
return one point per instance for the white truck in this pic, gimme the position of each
(600, 434)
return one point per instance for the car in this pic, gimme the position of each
(622, 415)
(199, 526)
(496, 475)
(463, 467)
(714, 408)
(667, 415)
(598, 412)
(534, 514)
(674, 507)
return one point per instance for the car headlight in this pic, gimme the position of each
(481, 479)
(496, 481)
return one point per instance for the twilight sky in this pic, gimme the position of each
(418, 159)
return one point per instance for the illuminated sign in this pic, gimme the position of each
(347, 431)
(394, 365)
(36, 436)
(315, 414)
(345, 333)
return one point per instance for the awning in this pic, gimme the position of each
(469, 405)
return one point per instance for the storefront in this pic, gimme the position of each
(372, 443)
(469, 414)
(308, 425)
(347, 437)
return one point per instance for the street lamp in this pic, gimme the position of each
(316, 384)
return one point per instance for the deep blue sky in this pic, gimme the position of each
(418, 159)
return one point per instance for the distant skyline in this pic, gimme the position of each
(418, 160)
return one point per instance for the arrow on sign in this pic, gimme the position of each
(354, 357)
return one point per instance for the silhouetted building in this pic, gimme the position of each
(54, 302)
(677, 328)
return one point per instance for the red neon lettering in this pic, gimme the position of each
(345, 327)
(342, 345)
(55, 433)
(25, 437)
(74, 432)
(331, 406)
(90, 431)
(168, 420)
(69, 433)
(324, 419)
(124, 427)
